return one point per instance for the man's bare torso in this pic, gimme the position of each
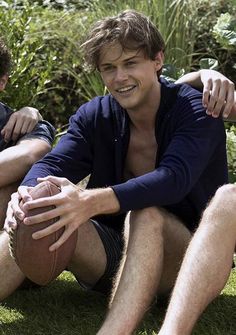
(141, 155)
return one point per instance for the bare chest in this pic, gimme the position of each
(141, 155)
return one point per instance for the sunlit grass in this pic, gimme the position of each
(64, 308)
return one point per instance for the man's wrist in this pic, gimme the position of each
(102, 200)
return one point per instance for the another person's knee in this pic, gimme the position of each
(222, 207)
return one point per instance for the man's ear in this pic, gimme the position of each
(159, 60)
(3, 82)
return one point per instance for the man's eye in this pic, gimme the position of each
(107, 69)
(130, 63)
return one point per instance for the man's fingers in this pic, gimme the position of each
(9, 128)
(206, 93)
(230, 101)
(213, 97)
(49, 230)
(42, 217)
(64, 237)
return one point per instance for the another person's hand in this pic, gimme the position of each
(20, 123)
(219, 96)
(13, 210)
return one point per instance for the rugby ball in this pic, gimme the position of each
(33, 256)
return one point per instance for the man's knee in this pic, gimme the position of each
(148, 218)
(222, 208)
(226, 192)
(156, 220)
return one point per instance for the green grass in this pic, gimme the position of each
(64, 308)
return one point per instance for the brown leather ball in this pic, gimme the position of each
(33, 256)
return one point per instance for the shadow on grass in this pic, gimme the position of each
(60, 308)
(63, 308)
(218, 319)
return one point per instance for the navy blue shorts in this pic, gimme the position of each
(113, 242)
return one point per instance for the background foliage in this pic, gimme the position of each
(45, 38)
(48, 68)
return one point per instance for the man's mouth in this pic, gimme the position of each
(125, 89)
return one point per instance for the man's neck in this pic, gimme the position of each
(144, 118)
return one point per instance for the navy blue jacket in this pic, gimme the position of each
(191, 160)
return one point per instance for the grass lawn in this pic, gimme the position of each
(63, 308)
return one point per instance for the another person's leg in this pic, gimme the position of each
(156, 246)
(206, 265)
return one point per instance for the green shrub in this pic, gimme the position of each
(231, 152)
(45, 49)
(207, 44)
(45, 38)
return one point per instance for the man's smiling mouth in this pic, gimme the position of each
(126, 89)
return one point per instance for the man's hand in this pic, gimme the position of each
(72, 205)
(218, 93)
(219, 96)
(14, 211)
(20, 123)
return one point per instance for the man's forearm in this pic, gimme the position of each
(101, 200)
(192, 78)
(17, 160)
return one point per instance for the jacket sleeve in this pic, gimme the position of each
(72, 156)
(195, 140)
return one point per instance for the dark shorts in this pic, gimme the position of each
(113, 243)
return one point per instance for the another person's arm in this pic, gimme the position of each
(16, 160)
(20, 123)
(219, 95)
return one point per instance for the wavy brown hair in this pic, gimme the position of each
(133, 30)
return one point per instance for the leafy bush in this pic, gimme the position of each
(45, 38)
(231, 152)
(45, 48)
(224, 32)
(207, 44)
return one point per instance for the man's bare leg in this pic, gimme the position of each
(88, 262)
(10, 275)
(206, 266)
(156, 246)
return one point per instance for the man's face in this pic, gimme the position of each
(3, 82)
(129, 75)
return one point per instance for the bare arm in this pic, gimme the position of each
(17, 160)
(219, 95)
(20, 123)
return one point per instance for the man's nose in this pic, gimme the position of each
(121, 74)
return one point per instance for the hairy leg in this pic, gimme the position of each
(157, 242)
(10, 275)
(89, 261)
(206, 265)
